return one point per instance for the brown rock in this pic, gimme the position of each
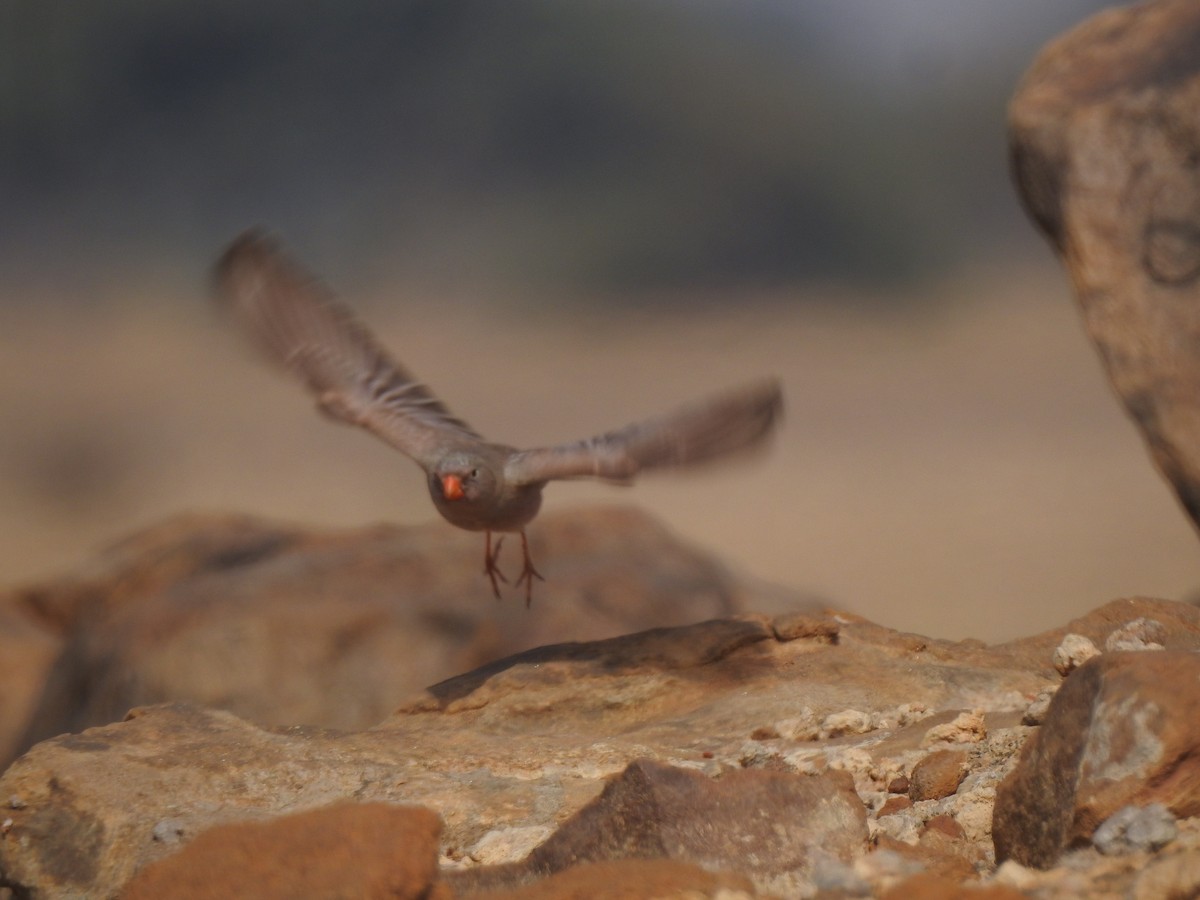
(761, 823)
(938, 775)
(945, 825)
(1124, 729)
(1104, 141)
(893, 805)
(372, 851)
(898, 785)
(286, 626)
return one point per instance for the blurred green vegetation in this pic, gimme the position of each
(605, 143)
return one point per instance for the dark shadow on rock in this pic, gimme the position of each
(666, 649)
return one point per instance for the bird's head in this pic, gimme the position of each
(459, 477)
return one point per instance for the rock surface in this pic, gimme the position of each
(759, 748)
(632, 747)
(1123, 730)
(1104, 138)
(655, 811)
(285, 626)
(518, 745)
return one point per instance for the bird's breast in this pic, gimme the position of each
(509, 511)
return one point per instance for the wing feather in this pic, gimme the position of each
(715, 427)
(301, 326)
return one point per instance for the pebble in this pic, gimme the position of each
(1035, 712)
(1135, 828)
(965, 728)
(1073, 652)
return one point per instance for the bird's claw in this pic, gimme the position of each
(528, 572)
(490, 569)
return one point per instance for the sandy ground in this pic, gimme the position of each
(961, 471)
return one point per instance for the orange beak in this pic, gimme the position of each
(452, 487)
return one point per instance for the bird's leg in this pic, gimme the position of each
(528, 572)
(490, 569)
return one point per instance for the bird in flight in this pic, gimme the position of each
(474, 483)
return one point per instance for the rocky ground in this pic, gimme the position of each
(806, 752)
(209, 708)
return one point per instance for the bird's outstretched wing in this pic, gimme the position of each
(302, 326)
(715, 427)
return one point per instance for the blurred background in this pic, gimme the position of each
(564, 216)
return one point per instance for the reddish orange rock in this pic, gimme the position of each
(893, 805)
(347, 851)
(938, 775)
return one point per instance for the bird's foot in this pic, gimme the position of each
(490, 569)
(528, 572)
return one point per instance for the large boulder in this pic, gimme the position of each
(1105, 137)
(287, 626)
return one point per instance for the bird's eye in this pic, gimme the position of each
(474, 473)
